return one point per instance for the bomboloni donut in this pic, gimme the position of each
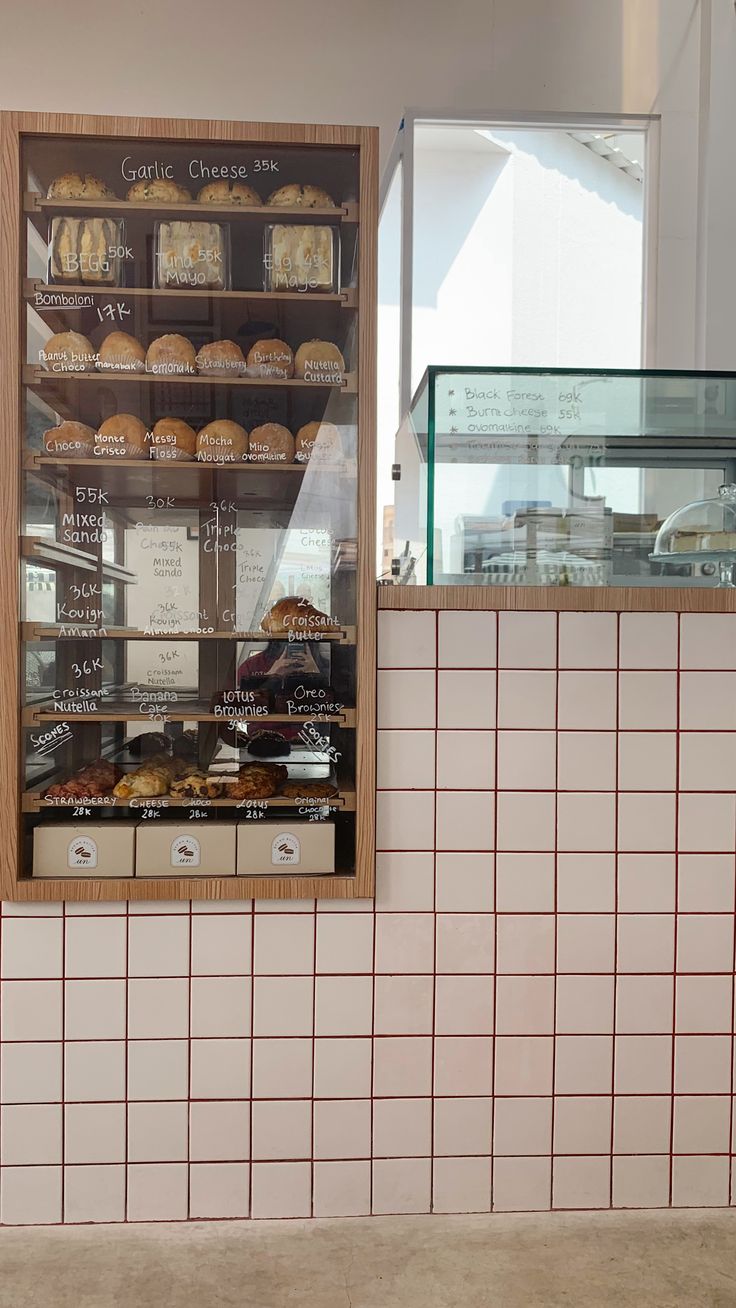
(122, 437)
(220, 359)
(172, 439)
(120, 352)
(222, 441)
(68, 352)
(171, 355)
(321, 362)
(271, 443)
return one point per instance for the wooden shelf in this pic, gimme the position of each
(33, 631)
(115, 711)
(32, 801)
(36, 376)
(55, 554)
(347, 299)
(34, 203)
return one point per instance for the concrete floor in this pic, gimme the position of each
(630, 1260)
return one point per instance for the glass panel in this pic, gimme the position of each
(565, 478)
(189, 578)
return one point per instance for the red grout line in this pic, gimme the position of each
(495, 917)
(617, 764)
(250, 1054)
(556, 852)
(63, 1069)
(432, 1072)
(314, 1060)
(675, 923)
(189, 1063)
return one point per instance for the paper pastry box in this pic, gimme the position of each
(107, 850)
(267, 848)
(301, 258)
(86, 251)
(202, 849)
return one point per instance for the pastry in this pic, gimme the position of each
(153, 778)
(161, 189)
(197, 785)
(78, 186)
(222, 441)
(122, 437)
(191, 255)
(68, 352)
(229, 193)
(301, 258)
(120, 352)
(90, 782)
(257, 781)
(319, 441)
(270, 359)
(171, 355)
(173, 439)
(220, 359)
(271, 443)
(293, 196)
(71, 439)
(297, 615)
(319, 361)
(268, 744)
(83, 250)
(308, 790)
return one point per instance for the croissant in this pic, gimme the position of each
(154, 778)
(294, 614)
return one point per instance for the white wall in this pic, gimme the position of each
(345, 60)
(527, 252)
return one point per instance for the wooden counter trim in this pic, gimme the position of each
(586, 599)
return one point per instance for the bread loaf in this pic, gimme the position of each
(78, 186)
(160, 190)
(229, 193)
(293, 196)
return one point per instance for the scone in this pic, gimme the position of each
(220, 359)
(271, 358)
(271, 443)
(172, 440)
(319, 441)
(229, 193)
(296, 615)
(321, 362)
(171, 355)
(161, 189)
(257, 781)
(120, 352)
(222, 441)
(68, 352)
(71, 440)
(78, 186)
(122, 437)
(294, 196)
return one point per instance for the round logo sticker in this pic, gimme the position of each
(185, 851)
(285, 849)
(81, 852)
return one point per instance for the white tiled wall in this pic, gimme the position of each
(538, 1013)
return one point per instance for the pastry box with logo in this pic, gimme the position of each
(104, 850)
(293, 846)
(204, 849)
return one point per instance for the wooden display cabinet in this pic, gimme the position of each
(145, 571)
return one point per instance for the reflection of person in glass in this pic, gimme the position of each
(288, 672)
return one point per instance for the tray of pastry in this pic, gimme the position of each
(164, 780)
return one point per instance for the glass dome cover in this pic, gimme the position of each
(705, 526)
(703, 530)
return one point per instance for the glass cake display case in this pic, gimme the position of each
(523, 477)
(188, 422)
